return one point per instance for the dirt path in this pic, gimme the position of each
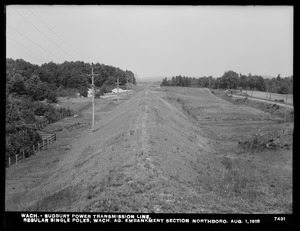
(266, 101)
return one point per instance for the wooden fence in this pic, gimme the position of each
(26, 152)
(44, 123)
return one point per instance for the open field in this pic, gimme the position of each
(163, 150)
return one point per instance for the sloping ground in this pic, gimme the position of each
(205, 106)
(275, 111)
(147, 155)
(134, 161)
(256, 152)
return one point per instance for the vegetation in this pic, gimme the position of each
(31, 91)
(233, 80)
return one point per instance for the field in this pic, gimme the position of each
(163, 150)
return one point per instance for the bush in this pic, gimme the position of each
(51, 96)
(40, 108)
(83, 91)
(283, 89)
(51, 114)
(66, 92)
(103, 90)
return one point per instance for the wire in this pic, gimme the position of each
(53, 32)
(30, 50)
(32, 41)
(44, 34)
(24, 52)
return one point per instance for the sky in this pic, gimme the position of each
(155, 41)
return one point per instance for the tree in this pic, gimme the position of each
(231, 79)
(164, 82)
(283, 89)
(16, 85)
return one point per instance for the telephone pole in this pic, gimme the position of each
(132, 83)
(118, 89)
(127, 84)
(93, 98)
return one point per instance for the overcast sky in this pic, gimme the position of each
(156, 40)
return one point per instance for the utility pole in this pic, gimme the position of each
(93, 98)
(132, 83)
(127, 84)
(118, 89)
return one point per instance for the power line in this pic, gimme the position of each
(53, 32)
(32, 41)
(25, 52)
(43, 34)
(30, 50)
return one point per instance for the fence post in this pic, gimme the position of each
(285, 112)
(16, 159)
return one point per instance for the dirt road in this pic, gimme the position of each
(149, 155)
(266, 101)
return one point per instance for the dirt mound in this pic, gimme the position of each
(269, 140)
(133, 162)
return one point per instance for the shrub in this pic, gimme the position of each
(66, 92)
(51, 96)
(40, 108)
(51, 114)
(283, 89)
(83, 91)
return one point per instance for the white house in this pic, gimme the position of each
(90, 92)
(120, 90)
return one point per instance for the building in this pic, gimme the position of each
(90, 92)
(115, 90)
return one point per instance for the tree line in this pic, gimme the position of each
(38, 81)
(233, 80)
(32, 91)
